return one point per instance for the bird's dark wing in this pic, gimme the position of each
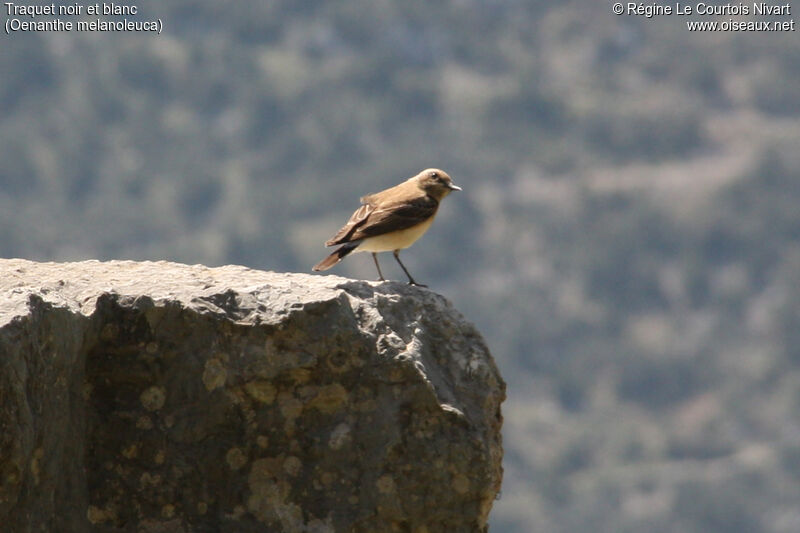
(394, 216)
(357, 219)
(371, 220)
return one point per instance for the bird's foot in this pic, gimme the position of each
(414, 283)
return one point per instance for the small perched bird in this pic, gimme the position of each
(391, 220)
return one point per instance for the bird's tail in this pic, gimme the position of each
(336, 256)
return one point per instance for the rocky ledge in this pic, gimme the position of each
(160, 397)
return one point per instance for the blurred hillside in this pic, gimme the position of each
(627, 238)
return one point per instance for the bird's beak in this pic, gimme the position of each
(454, 187)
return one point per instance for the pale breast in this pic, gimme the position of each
(396, 240)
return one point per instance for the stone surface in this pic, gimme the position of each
(159, 397)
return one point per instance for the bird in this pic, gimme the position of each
(391, 220)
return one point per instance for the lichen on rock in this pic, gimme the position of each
(139, 396)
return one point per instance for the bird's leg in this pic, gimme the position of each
(410, 279)
(380, 274)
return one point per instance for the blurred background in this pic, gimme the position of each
(627, 238)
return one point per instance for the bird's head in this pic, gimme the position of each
(436, 183)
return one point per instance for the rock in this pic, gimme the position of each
(150, 397)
